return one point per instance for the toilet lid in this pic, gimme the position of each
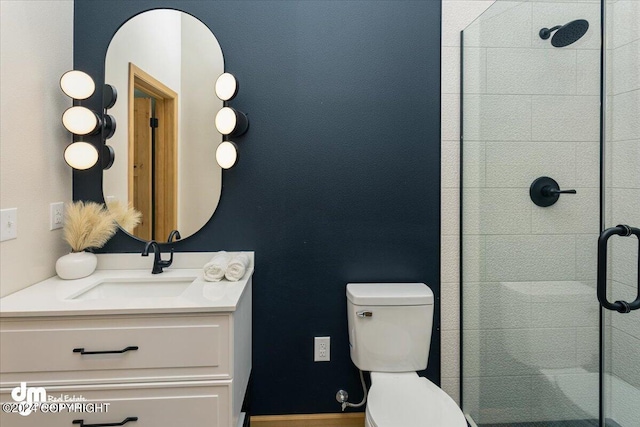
(407, 400)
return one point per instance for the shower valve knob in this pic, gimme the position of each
(545, 191)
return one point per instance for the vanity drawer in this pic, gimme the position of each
(46, 346)
(154, 405)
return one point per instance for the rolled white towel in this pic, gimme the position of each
(214, 270)
(237, 267)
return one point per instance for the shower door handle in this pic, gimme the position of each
(619, 306)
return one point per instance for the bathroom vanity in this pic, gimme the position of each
(125, 346)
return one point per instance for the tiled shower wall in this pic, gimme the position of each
(623, 202)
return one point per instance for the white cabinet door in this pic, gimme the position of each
(158, 405)
(36, 346)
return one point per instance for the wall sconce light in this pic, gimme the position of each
(81, 155)
(226, 87)
(227, 154)
(82, 121)
(77, 84)
(228, 121)
(231, 122)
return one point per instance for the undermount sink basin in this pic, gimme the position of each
(109, 289)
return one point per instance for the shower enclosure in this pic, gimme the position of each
(550, 152)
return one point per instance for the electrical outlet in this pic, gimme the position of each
(9, 224)
(56, 215)
(322, 349)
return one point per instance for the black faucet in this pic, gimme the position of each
(174, 233)
(158, 263)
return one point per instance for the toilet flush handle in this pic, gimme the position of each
(364, 313)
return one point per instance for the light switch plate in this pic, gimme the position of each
(8, 224)
(56, 215)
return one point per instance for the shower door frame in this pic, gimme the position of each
(603, 93)
(461, 220)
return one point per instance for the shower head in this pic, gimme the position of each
(566, 34)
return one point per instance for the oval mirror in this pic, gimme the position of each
(164, 64)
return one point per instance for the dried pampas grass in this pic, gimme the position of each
(127, 217)
(88, 225)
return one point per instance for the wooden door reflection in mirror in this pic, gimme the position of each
(152, 170)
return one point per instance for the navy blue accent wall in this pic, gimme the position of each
(338, 178)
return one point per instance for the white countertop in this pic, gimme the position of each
(55, 297)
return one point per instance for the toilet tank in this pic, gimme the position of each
(389, 325)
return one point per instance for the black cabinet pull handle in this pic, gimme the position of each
(124, 350)
(123, 422)
(619, 306)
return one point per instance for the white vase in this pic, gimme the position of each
(76, 265)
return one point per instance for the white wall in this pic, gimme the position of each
(36, 49)
(200, 176)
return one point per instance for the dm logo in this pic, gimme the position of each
(28, 395)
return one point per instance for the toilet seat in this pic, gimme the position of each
(406, 400)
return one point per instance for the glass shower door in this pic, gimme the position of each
(618, 258)
(537, 348)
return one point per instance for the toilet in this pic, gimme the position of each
(389, 335)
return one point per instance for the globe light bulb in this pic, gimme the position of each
(226, 120)
(80, 120)
(226, 87)
(81, 155)
(77, 84)
(226, 154)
